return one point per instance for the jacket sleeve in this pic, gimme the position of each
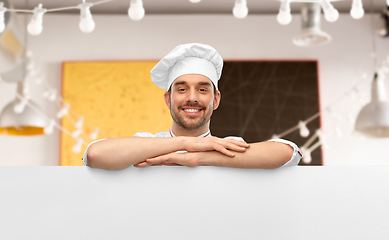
(84, 159)
(295, 159)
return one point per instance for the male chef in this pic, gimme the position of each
(190, 75)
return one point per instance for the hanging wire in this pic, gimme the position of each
(373, 35)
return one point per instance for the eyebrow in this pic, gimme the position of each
(200, 83)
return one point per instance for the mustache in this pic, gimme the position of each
(192, 105)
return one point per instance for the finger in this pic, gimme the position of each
(156, 160)
(238, 143)
(223, 150)
(142, 164)
(171, 164)
(234, 147)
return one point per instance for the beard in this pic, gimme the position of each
(190, 123)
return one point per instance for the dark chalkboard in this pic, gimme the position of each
(262, 98)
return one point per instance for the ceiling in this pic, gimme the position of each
(186, 7)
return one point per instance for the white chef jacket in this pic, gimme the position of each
(294, 160)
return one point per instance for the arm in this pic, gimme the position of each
(119, 153)
(265, 155)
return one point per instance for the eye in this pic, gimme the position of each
(203, 90)
(180, 89)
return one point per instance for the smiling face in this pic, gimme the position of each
(191, 102)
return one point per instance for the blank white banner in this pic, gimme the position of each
(48, 203)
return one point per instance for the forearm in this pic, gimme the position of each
(265, 155)
(120, 153)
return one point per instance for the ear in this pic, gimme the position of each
(217, 99)
(166, 96)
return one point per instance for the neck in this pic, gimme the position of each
(178, 131)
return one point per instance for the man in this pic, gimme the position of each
(190, 74)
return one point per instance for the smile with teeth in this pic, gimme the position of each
(191, 110)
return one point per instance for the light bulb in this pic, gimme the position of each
(194, 1)
(77, 147)
(338, 131)
(63, 111)
(275, 136)
(306, 155)
(136, 11)
(2, 21)
(284, 17)
(307, 159)
(387, 2)
(76, 133)
(322, 138)
(19, 108)
(35, 26)
(87, 24)
(80, 122)
(357, 11)
(240, 9)
(94, 135)
(53, 95)
(304, 131)
(50, 94)
(49, 128)
(330, 13)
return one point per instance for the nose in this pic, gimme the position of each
(192, 96)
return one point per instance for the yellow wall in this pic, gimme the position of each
(117, 97)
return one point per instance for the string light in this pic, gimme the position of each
(35, 26)
(50, 94)
(330, 13)
(307, 158)
(94, 134)
(63, 111)
(338, 131)
(76, 133)
(322, 138)
(352, 93)
(357, 11)
(34, 108)
(240, 9)
(304, 131)
(50, 127)
(2, 19)
(284, 17)
(86, 24)
(77, 147)
(275, 136)
(19, 108)
(51, 122)
(80, 122)
(136, 11)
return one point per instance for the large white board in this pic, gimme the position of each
(194, 203)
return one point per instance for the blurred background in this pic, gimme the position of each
(311, 72)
